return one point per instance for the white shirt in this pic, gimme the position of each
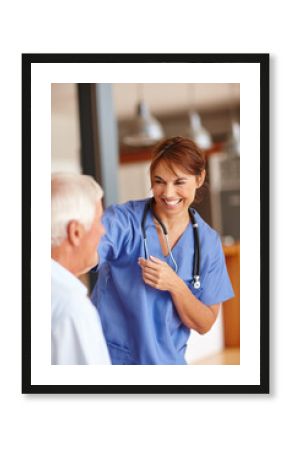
(76, 331)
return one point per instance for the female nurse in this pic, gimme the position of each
(147, 293)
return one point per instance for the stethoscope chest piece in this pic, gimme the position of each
(196, 282)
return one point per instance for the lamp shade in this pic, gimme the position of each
(145, 130)
(199, 134)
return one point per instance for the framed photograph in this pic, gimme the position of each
(103, 115)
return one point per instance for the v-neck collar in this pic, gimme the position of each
(157, 241)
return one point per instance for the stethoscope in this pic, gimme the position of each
(196, 263)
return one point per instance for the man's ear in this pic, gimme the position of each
(201, 178)
(75, 232)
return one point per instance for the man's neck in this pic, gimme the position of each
(63, 256)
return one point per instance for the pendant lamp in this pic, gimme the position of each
(199, 134)
(145, 129)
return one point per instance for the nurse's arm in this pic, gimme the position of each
(192, 312)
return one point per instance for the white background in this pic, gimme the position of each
(201, 421)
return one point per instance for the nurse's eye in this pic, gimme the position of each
(158, 182)
(179, 183)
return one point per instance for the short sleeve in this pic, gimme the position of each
(117, 234)
(216, 285)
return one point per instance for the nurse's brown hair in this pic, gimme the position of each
(181, 152)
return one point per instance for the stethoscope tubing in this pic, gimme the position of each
(196, 282)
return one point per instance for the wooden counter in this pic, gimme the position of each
(229, 356)
(231, 308)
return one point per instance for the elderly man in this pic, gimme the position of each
(76, 228)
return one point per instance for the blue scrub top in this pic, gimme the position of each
(140, 323)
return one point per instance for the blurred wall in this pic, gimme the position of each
(65, 137)
(172, 97)
(161, 98)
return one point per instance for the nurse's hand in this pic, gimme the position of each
(158, 274)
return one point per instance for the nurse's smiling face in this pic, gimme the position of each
(173, 189)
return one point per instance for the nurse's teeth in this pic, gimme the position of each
(171, 202)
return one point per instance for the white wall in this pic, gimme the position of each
(203, 346)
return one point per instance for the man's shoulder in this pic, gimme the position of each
(65, 302)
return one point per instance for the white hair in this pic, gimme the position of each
(73, 197)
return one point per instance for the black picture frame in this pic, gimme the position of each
(263, 61)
